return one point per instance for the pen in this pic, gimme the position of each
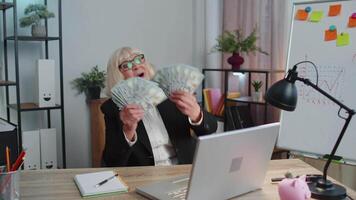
(8, 158)
(277, 179)
(23, 161)
(106, 180)
(18, 161)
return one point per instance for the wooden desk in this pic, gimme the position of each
(58, 184)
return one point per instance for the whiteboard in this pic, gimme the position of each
(314, 126)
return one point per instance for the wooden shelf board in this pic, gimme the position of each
(33, 107)
(246, 99)
(6, 5)
(7, 83)
(31, 38)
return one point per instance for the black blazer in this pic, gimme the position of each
(118, 153)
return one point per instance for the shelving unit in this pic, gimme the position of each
(25, 107)
(244, 99)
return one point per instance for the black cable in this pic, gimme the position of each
(349, 197)
(316, 70)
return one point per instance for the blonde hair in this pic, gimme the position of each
(114, 75)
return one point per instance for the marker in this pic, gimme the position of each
(335, 159)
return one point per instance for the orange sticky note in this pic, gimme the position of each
(301, 15)
(316, 16)
(334, 10)
(330, 35)
(343, 39)
(352, 22)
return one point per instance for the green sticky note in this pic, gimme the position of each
(316, 16)
(343, 39)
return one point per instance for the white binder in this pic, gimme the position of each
(31, 143)
(46, 83)
(48, 148)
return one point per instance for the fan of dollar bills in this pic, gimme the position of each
(178, 77)
(137, 91)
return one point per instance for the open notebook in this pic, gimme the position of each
(87, 184)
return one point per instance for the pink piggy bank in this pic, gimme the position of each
(294, 189)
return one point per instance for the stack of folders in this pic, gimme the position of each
(215, 101)
(99, 184)
(211, 98)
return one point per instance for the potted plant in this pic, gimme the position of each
(90, 83)
(34, 13)
(257, 95)
(234, 42)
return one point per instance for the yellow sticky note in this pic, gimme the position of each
(343, 39)
(316, 16)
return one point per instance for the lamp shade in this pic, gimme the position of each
(283, 94)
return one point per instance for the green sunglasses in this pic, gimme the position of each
(128, 65)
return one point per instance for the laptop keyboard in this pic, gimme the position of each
(179, 193)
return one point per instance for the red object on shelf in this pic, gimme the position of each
(235, 61)
(18, 161)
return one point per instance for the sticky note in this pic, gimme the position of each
(301, 15)
(334, 10)
(330, 35)
(316, 16)
(343, 39)
(352, 22)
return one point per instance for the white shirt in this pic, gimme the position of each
(162, 149)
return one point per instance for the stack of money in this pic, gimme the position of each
(137, 91)
(178, 77)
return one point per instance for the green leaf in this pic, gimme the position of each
(34, 13)
(235, 42)
(95, 78)
(257, 85)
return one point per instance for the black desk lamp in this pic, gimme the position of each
(283, 94)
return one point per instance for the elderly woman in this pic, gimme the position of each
(159, 136)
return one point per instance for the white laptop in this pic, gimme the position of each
(225, 165)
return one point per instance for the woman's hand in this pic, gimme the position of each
(130, 116)
(187, 104)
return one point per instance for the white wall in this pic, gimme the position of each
(214, 19)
